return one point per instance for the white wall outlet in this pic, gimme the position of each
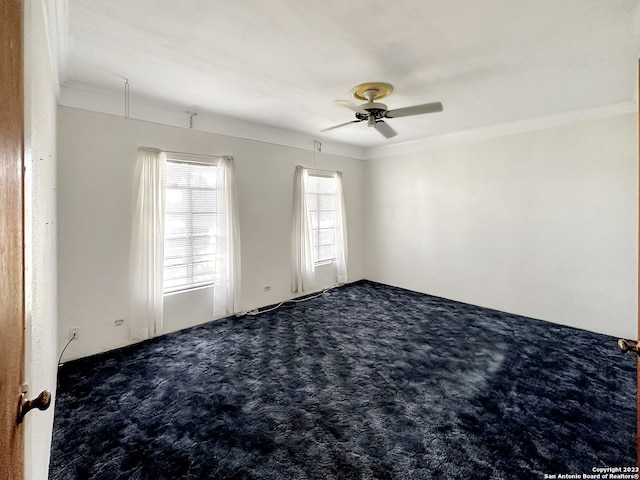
(266, 288)
(118, 322)
(74, 333)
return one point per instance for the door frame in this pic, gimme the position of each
(12, 276)
(638, 332)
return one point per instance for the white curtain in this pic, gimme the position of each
(226, 288)
(303, 267)
(341, 233)
(146, 261)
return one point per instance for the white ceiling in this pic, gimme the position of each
(283, 62)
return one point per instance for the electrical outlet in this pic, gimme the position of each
(74, 333)
(266, 288)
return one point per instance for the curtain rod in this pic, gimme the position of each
(151, 149)
(320, 170)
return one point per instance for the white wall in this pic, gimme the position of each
(40, 237)
(542, 224)
(97, 154)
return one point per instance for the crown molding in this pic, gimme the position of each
(56, 19)
(503, 129)
(103, 102)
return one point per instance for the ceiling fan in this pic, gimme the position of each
(375, 113)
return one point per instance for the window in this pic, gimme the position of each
(321, 200)
(193, 211)
(184, 234)
(318, 227)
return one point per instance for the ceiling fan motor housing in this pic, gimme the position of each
(376, 112)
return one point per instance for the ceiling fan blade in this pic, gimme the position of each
(415, 110)
(341, 125)
(385, 129)
(352, 106)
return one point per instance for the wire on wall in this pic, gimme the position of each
(317, 147)
(191, 115)
(126, 98)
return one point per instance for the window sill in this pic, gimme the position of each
(325, 262)
(187, 290)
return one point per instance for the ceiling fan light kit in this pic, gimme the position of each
(375, 113)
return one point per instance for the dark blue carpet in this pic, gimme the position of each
(371, 382)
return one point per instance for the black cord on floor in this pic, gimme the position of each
(65, 347)
(325, 292)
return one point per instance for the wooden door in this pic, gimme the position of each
(11, 239)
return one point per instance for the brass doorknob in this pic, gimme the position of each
(628, 346)
(41, 402)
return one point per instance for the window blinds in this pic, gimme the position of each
(321, 201)
(193, 208)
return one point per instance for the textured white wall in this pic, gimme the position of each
(542, 224)
(40, 237)
(97, 154)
